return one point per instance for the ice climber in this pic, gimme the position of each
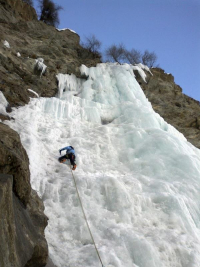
(70, 154)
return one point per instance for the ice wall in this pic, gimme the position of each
(138, 177)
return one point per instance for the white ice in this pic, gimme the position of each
(6, 44)
(140, 68)
(65, 30)
(138, 177)
(40, 65)
(143, 67)
(32, 91)
(3, 104)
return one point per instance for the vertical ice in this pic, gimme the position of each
(139, 178)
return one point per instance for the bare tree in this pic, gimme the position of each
(49, 12)
(115, 53)
(92, 44)
(120, 54)
(149, 59)
(29, 2)
(133, 56)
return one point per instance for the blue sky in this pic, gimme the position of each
(170, 28)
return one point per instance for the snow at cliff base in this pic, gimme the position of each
(138, 177)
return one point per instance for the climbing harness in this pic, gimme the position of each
(86, 219)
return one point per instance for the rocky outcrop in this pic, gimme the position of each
(34, 39)
(167, 99)
(16, 10)
(22, 219)
(21, 243)
(14, 161)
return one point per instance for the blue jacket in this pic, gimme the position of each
(69, 150)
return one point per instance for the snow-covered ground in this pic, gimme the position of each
(138, 177)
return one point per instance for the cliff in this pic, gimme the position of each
(16, 10)
(167, 99)
(22, 219)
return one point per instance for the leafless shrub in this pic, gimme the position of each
(118, 53)
(115, 53)
(92, 44)
(149, 59)
(133, 56)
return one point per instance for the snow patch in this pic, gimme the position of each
(40, 65)
(30, 90)
(144, 67)
(6, 44)
(65, 30)
(140, 67)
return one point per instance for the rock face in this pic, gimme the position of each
(167, 99)
(15, 10)
(22, 219)
(14, 160)
(34, 39)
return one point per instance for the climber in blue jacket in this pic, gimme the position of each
(70, 154)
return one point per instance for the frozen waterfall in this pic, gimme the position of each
(138, 177)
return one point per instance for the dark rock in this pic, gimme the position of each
(25, 223)
(4, 117)
(21, 242)
(50, 263)
(176, 108)
(14, 160)
(8, 108)
(14, 10)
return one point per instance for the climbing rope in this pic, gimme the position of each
(86, 219)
